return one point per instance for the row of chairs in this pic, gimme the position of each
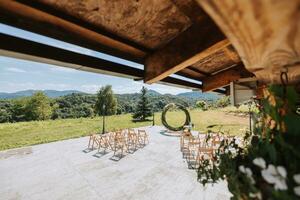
(120, 141)
(201, 147)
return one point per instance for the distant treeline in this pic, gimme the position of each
(41, 107)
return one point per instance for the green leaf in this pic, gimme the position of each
(271, 152)
(292, 122)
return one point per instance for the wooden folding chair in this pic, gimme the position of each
(102, 142)
(191, 151)
(142, 137)
(132, 139)
(216, 142)
(184, 139)
(109, 139)
(201, 149)
(91, 141)
(119, 143)
(204, 153)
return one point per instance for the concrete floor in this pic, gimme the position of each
(62, 170)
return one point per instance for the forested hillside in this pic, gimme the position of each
(28, 93)
(76, 105)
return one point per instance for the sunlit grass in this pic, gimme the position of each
(229, 124)
(20, 134)
(175, 118)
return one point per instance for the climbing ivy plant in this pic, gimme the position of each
(267, 164)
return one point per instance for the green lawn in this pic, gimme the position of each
(20, 134)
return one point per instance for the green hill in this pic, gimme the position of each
(27, 93)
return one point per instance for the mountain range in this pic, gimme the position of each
(27, 93)
(56, 93)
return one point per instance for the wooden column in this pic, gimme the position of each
(265, 33)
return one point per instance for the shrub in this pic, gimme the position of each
(223, 102)
(201, 104)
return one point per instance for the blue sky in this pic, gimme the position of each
(16, 74)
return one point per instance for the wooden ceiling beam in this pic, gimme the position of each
(187, 48)
(190, 74)
(179, 54)
(198, 71)
(43, 6)
(264, 33)
(191, 9)
(224, 78)
(186, 84)
(28, 50)
(180, 83)
(26, 17)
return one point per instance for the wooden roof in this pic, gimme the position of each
(167, 36)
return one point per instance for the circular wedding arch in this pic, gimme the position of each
(178, 106)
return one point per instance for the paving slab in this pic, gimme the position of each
(64, 170)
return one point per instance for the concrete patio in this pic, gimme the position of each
(62, 170)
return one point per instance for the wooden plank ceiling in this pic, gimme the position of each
(167, 36)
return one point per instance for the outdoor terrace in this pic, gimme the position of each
(66, 170)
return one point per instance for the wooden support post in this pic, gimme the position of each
(232, 95)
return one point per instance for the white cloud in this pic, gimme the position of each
(164, 89)
(15, 69)
(92, 88)
(54, 86)
(130, 87)
(62, 69)
(12, 87)
(135, 86)
(70, 47)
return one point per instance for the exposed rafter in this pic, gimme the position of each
(180, 83)
(224, 78)
(173, 37)
(28, 50)
(25, 17)
(161, 64)
(186, 49)
(264, 33)
(190, 74)
(191, 9)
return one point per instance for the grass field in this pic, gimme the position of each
(20, 134)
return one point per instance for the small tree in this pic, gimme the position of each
(223, 102)
(19, 112)
(106, 103)
(201, 104)
(38, 107)
(143, 108)
(6, 114)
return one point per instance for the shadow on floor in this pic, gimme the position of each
(87, 150)
(100, 154)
